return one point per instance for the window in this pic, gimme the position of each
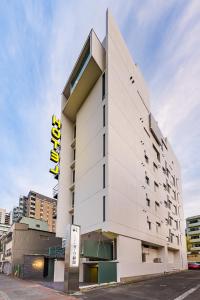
(149, 224)
(146, 158)
(104, 177)
(74, 154)
(104, 208)
(147, 179)
(170, 220)
(157, 205)
(143, 257)
(169, 204)
(147, 200)
(37, 225)
(157, 226)
(73, 176)
(194, 221)
(176, 224)
(175, 209)
(72, 219)
(72, 199)
(80, 70)
(155, 167)
(170, 236)
(103, 86)
(74, 131)
(156, 187)
(104, 116)
(166, 204)
(157, 153)
(173, 180)
(104, 144)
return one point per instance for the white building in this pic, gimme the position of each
(119, 178)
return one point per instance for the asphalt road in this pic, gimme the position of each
(177, 286)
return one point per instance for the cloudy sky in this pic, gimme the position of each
(40, 41)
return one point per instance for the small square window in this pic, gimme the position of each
(147, 179)
(146, 158)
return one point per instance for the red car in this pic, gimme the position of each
(193, 265)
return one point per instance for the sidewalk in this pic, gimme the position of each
(18, 289)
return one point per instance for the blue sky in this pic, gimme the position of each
(40, 41)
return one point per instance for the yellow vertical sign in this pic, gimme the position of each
(55, 139)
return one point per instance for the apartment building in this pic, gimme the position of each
(4, 221)
(119, 177)
(37, 206)
(5, 217)
(193, 238)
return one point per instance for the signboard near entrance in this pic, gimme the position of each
(75, 246)
(72, 254)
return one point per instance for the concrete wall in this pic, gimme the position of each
(89, 162)
(65, 179)
(31, 242)
(58, 271)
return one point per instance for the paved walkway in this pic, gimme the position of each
(17, 289)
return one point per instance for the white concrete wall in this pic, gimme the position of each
(89, 162)
(128, 114)
(58, 271)
(65, 178)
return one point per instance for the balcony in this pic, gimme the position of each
(194, 232)
(194, 224)
(88, 68)
(194, 240)
(195, 248)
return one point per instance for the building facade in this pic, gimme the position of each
(193, 238)
(36, 206)
(29, 237)
(119, 177)
(5, 217)
(5, 220)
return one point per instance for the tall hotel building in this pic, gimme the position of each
(119, 177)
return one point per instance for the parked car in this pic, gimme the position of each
(194, 265)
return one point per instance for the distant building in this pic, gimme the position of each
(25, 249)
(16, 214)
(4, 229)
(5, 217)
(193, 238)
(4, 221)
(36, 206)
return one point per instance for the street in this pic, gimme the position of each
(179, 286)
